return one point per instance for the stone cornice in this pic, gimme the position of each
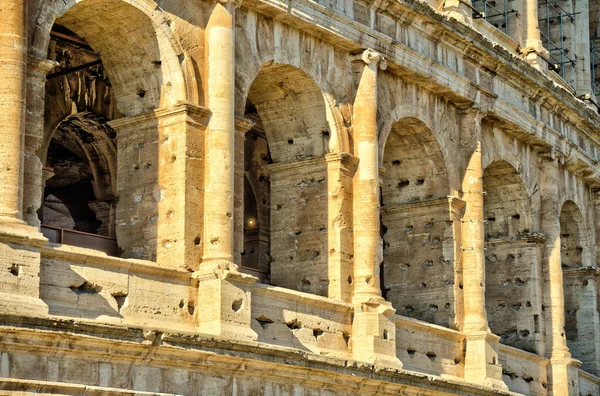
(95, 257)
(457, 205)
(284, 169)
(80, 339)
(197, 115)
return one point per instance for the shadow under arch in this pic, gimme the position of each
(285, 164)
(138, 49)
(513, 275)
(88, 140)
(417, 225)
(575, 255)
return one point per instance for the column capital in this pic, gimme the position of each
(370, 56)
(231, 3)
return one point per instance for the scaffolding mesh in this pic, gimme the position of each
(496, 12)
(556, 24)
(595, 60)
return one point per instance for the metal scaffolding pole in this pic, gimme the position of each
(552, 22)
(496, 12)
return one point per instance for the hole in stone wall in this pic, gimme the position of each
(431, 355)
(236, 306)
(516, 216)
(263, 321)
(120, 298)
(14, 269)
(403, 183)
(294, 325)
(290, 141)
(420, 182)
(411, 352)
(396, 162)
(318, 333)
(86, 288)
(191, 308)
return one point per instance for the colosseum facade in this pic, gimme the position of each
(300, 197)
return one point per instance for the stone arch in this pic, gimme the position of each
(423, 114)
(417, 226)
(285, 163)
(507, 206)
(574, 238)
(138, 49)
(338, 138)
(512, 272)
(579, 287)
(411, 145)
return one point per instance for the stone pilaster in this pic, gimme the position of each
(159, 185)
(561, 364)
(481, 359)
(340, 172)
(373, 328)
(106, 213)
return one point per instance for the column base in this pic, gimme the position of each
(20, 259)
(563, 377)
(224, 302)
(374, 333)
(481, 360)
(14, 230)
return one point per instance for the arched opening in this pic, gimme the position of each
(79, 150)
(285, 167)
(512, 273)
(579, 289)
(138, 74)
(417, 226)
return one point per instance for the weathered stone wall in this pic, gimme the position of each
(465, 132)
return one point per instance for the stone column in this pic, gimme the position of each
(556, 343)
(224, 300)
(532, 47)
(219, 170)
(583, 68)
(340, 172)
(366, 181)
(13, 72)
(19, 243)
(373, 328)
(481, 359)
